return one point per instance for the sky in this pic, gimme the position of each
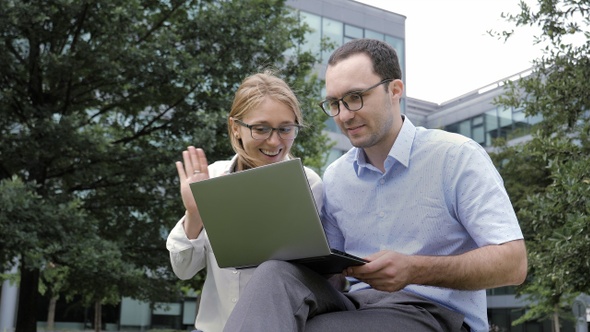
(448, 50)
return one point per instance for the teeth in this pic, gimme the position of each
(271, 153)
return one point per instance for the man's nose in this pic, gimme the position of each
(344, 114)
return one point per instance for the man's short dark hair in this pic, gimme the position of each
(384, 57)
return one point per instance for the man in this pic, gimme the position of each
(426, 208)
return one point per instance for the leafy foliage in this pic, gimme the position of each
(97, 101)
(548, 177)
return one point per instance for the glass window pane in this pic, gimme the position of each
(478, 120)
(505, 116)
(520, 123)
(465, 128)
(167, 309)
(518, 116)
(478, 135)
(353, 32)
(491, 125)
(535, 119)
(453, 128)
(374, 34)
(332, 30)
(491, 120)
(313, 38)
(398, 44)
(505, 120)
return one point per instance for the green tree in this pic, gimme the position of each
(548, 177)
(97, 101)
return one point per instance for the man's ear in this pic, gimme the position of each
(397, 88)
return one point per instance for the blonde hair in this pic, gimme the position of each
(253, 90)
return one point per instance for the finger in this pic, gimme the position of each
(359, 275)
(194, 160)
(367, 270)
(188, 165)
(180, 170)
(374, 265)
(202, 161)
(350, 271)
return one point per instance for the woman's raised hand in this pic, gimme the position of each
(193, 168)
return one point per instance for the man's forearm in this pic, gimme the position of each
(486, 267)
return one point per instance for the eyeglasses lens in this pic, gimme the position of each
(264, 132)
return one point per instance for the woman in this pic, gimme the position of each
(263, 122)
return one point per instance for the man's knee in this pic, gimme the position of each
(274, 268)
(275, 271)
(282, 272)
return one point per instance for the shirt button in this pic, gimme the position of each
(382, 181)
(234, 300)
(381, 214)
(235, 272)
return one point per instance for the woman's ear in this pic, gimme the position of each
(235, 128)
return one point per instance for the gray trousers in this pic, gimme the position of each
(284, 297)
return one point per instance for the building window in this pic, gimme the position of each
(314, 37)
(505, 121)
(398, 45)
(478, 134)
(498, 122)
(465, 128)
(333, 31)
(374, 35)
(352, 32)
(491, 123)
(338, 33)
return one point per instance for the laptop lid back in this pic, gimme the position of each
(259, 214)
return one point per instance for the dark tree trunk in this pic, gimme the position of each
(51, 313)
(97, 316)
(26, 319)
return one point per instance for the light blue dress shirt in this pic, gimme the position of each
(440, 195)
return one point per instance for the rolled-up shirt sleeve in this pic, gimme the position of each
(187, 257)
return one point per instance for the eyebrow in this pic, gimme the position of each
(266, 123)
(354, 90)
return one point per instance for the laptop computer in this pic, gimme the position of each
(266, 213)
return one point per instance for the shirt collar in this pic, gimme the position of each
(231, 166)
(402, 148)
(400, 151)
